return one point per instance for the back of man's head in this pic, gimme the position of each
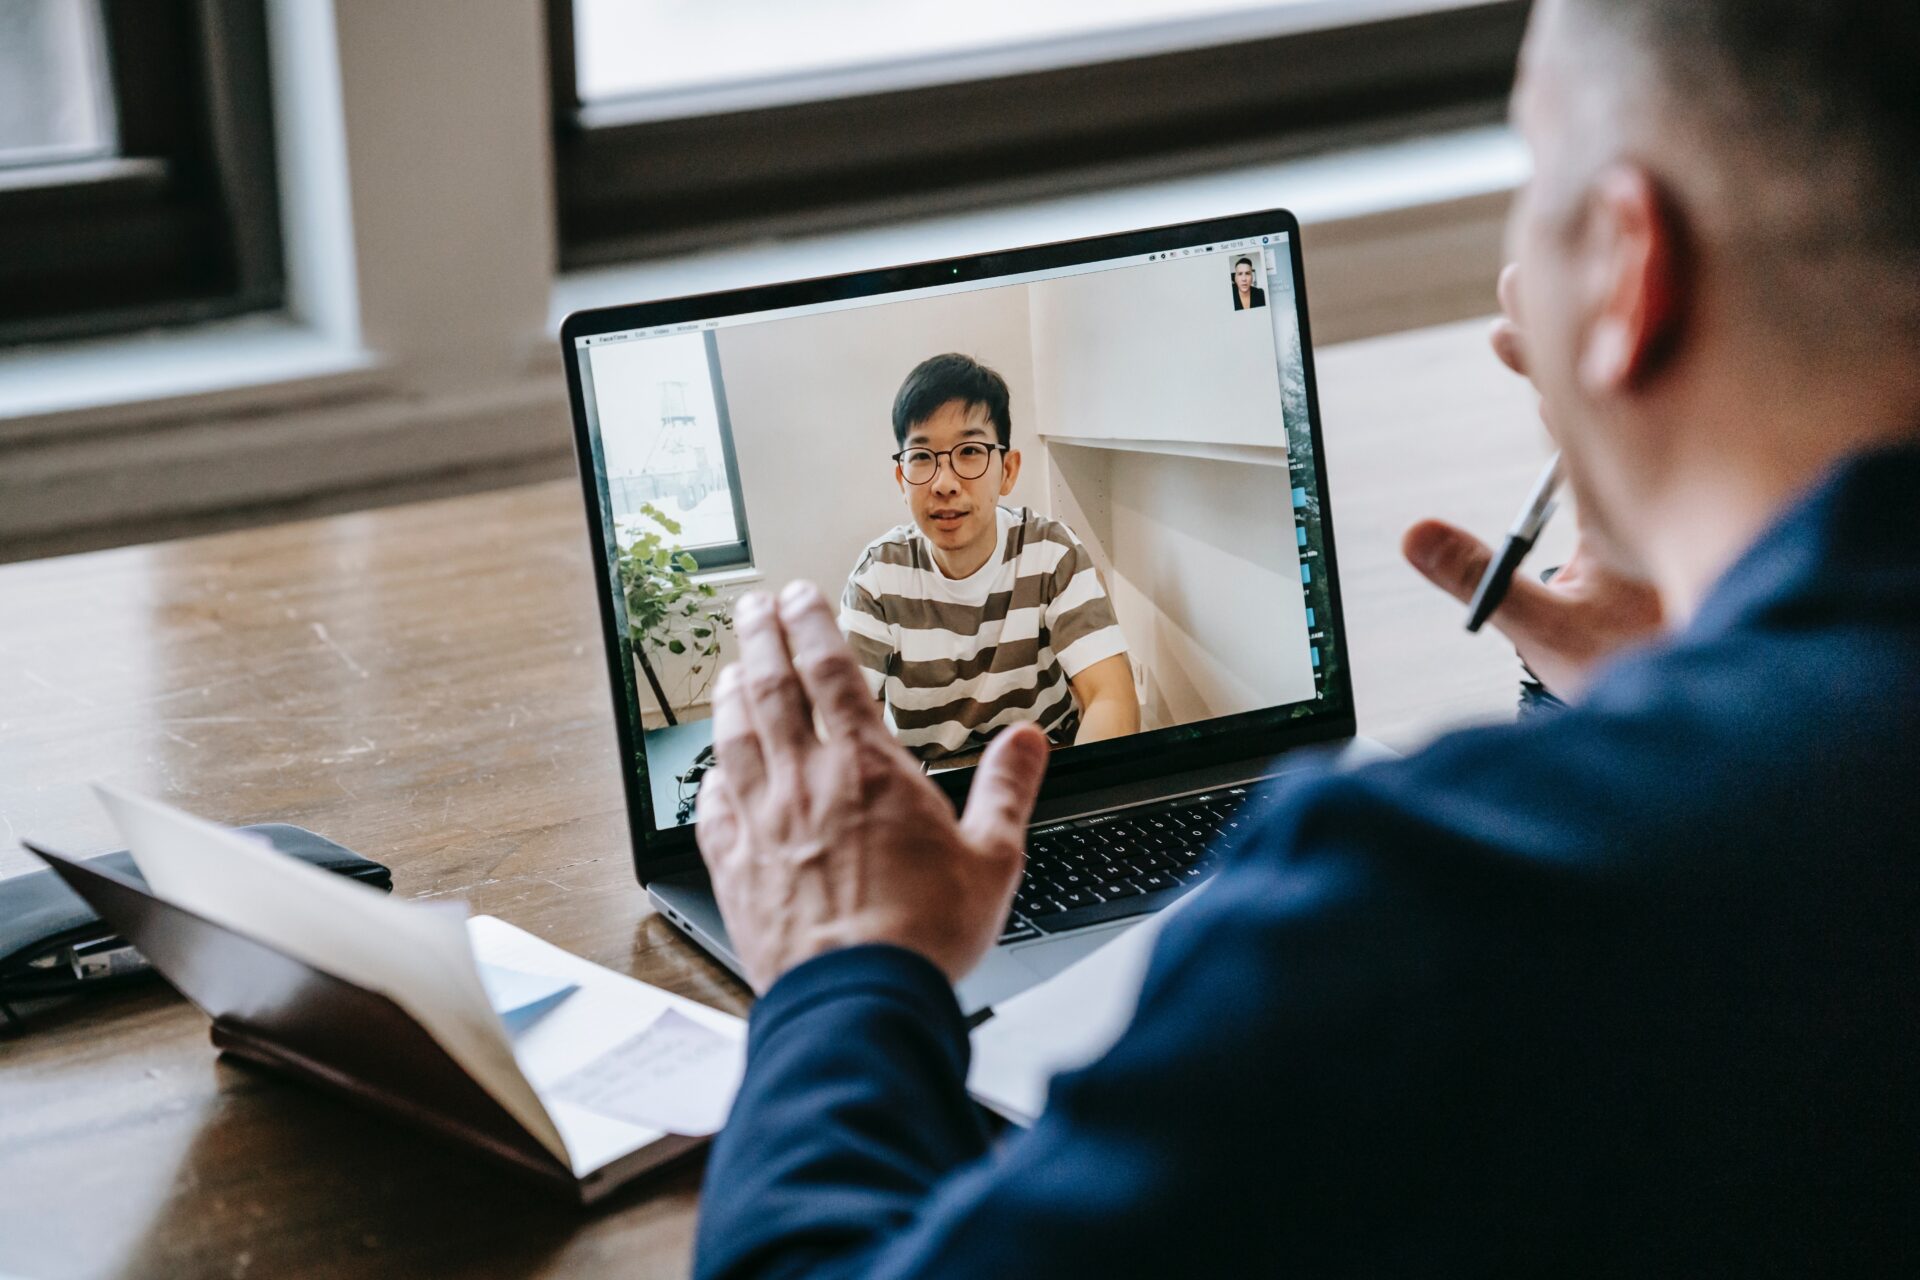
(1791, 127)
(936, 381)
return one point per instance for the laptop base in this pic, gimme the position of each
(688, 904)
(687, 901)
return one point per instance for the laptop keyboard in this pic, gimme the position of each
(1116, 865)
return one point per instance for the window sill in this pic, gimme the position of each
(1387, 201)
(104, 382)
(725, 578)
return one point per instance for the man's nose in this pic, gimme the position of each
(944, 479)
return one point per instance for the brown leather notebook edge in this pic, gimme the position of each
(235, 1041)
(272, 1009)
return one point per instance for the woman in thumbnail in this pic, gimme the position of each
(976, 616)
(1246, 294)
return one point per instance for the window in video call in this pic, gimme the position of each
(1083, 497)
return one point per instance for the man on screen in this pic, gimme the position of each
(1246, 294)
(976, 616)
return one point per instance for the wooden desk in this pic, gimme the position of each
(425, 684)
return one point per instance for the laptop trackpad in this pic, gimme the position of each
(1007, 971)
(999, 975)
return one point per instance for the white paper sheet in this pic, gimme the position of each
(608, 1010)
(676, 1075)
(1063, 1024)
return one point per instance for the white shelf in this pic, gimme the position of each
(1245, 454)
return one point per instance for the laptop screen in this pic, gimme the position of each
(1076, 486)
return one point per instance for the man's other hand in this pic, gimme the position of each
(1563, 630)
(820, 831)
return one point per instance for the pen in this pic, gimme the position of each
(1520, 539)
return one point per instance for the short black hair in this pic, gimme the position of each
(951, 377)
(1820, 89)
(1238, 261)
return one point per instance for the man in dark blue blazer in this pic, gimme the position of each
(1633, 987)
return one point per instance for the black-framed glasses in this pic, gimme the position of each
(969, 461)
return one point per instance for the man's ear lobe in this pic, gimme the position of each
(1636, 266)
(1010, 471)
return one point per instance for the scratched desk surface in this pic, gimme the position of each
(425, 685)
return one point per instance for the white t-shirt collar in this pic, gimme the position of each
(978, 585)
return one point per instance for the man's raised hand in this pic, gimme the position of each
(821, 832)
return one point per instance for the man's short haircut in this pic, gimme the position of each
(951, 377)
(1238, 261)
(1814, 94)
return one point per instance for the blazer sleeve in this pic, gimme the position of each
(1289, 1019)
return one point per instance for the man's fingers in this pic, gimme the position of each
(716, 827)
(1454, 560)
(1000, 802)
(736, 747)
(775, 700)
(1447, 556)
(828, 670)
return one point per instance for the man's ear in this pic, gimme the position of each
(900, 478)
(1636, 275)
(1009, 471)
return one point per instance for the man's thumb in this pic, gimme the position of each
(1447, 556)
(1004, 788)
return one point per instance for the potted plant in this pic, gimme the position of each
(668, 611)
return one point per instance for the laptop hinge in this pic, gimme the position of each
(1230, 773)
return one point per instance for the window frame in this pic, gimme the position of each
(719, 557)
(183, 223)
(708, 558)
(626, 191)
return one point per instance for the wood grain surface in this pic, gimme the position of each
(425, 685)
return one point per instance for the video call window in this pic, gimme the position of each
(1081, 498)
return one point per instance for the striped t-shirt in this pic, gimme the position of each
(956, 659)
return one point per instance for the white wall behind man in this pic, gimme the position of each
(1200, 557)
(1155, 352)
(1207, 583)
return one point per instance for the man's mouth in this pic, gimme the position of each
(948, 518)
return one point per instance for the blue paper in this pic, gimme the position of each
(521, 998)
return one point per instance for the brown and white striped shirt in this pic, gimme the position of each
(956, 659)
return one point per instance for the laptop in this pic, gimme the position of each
(1161, 548)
